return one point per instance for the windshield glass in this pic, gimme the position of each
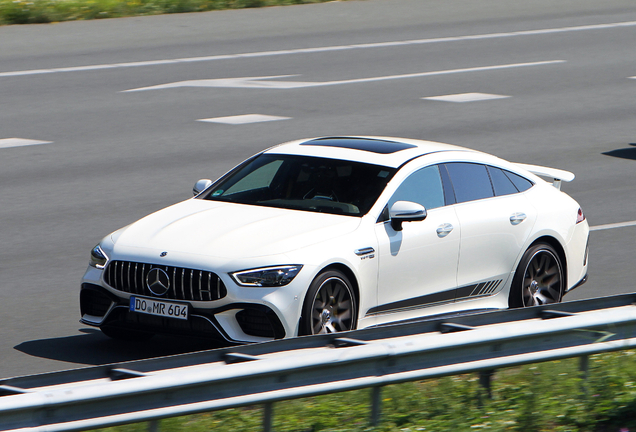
(304, 183)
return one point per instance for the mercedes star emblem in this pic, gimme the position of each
(158, 281)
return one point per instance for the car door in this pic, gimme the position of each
(495, 222)
(417, 265)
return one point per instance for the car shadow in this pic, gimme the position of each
(93, 348)
(624, 153)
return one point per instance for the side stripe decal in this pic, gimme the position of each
(482, 289)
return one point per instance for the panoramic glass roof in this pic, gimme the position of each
(364, 144)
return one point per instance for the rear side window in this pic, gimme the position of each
(522, 183)
(470, 181)
(500, 182)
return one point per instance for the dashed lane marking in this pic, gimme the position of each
(322, 49)
(244, 119)
(466, 97)
(613, 225)
(20, 142)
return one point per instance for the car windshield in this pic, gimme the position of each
(303, 183)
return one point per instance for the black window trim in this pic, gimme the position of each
(492, 186)
(447, 183)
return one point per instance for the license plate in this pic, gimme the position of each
(162, 308)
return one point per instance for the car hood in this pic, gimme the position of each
(230, 231)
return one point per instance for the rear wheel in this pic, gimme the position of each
(539, 279)
(330, 305)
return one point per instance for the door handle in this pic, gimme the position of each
(444, 229)
(517, 218)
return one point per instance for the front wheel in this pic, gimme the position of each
(539, 279)
(330, 305)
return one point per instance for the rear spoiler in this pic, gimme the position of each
(556, 175)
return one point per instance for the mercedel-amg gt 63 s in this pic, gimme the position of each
(330, 234)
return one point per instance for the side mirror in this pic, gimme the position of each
(405, 211)
(200, 186)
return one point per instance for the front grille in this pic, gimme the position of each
(185, 284)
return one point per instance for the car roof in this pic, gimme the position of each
(386, 151)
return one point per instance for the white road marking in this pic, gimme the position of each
(466, 97)
(20, 142)
(321, 49)
(262, 83)
(613, 225)
(244, 119)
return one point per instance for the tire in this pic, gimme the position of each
(122, 334)
(539, 279)
(330, 305)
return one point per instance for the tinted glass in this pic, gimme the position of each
(260, 177)
(304, 183)
(521, 183)
(470, 181)
(500, 182)
(364, 144)
(423, 187)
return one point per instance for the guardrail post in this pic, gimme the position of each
(153, 426)
(584, 365)
(584, 368)
(268, 414)
(376, 405)
(485, 379)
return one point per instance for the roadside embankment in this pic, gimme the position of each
(49, 11)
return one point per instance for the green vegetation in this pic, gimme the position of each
(46, 11)
(552, 396)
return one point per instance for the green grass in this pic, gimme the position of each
(550, 396)
(46, 11)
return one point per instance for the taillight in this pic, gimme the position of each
(580, 217)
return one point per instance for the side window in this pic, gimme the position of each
(470, 181)
(500, 182)
(423, 187)
(522, 183)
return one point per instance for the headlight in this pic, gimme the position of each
(98, 258)
(267, 277)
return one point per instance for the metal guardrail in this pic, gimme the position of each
(265, 373)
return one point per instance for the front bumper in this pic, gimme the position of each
(218, 307)
(252, 322)
(578, 284)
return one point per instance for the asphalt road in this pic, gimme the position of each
(359, 67)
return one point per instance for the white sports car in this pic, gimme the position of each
(331, 234)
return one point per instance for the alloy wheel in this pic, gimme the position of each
(542, 280)
(332, 309)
